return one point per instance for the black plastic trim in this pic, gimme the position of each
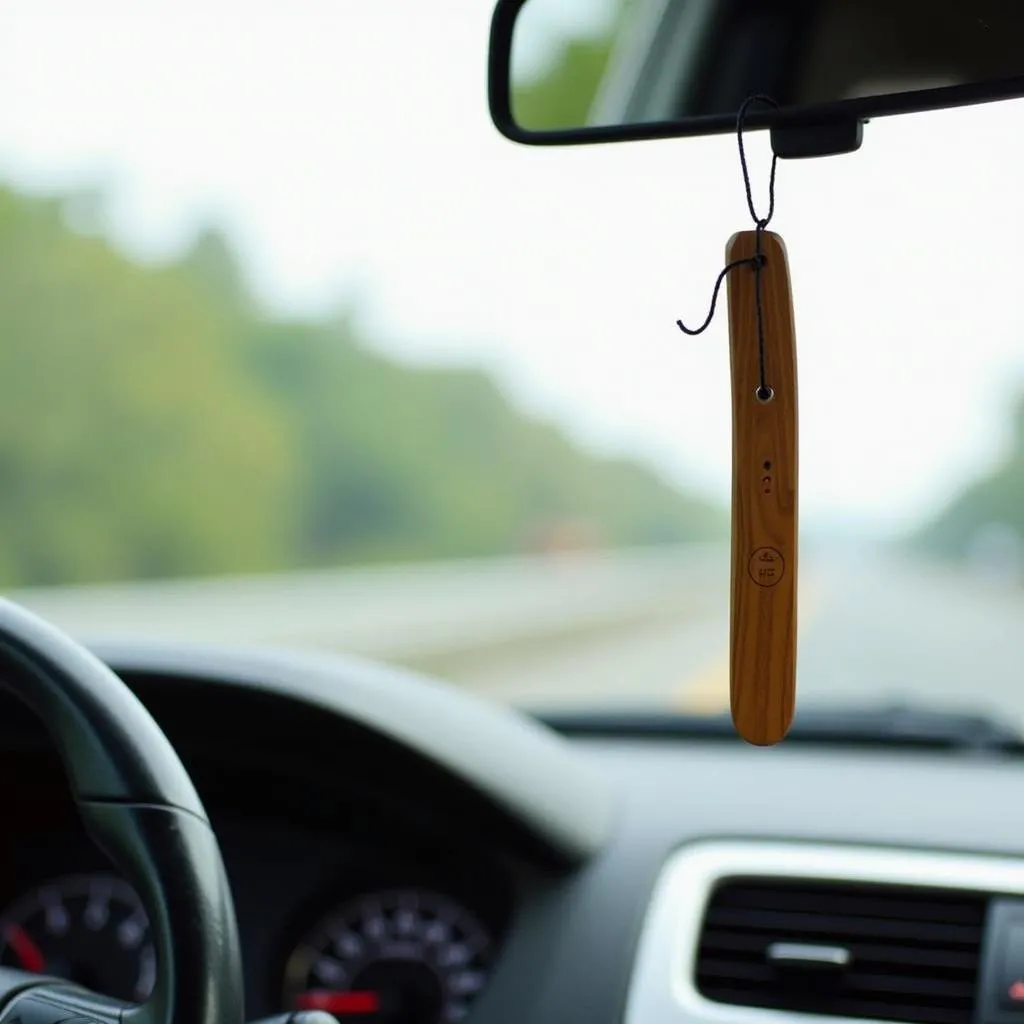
(518, 766)
(138, 802)
(1002, 915)
(801, 142)
(859, 109)
(111, 747)
(172, 858)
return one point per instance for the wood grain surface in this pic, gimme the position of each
(764, 499)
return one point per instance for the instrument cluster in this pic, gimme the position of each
(405, 955)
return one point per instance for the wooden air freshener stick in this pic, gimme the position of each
(762, 349)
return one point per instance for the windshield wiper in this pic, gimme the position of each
(868, 726)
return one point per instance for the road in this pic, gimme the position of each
(869, 629)
(636, 628)
(420, 614)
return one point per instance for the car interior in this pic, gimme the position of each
(215, 833)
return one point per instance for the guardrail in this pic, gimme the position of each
(401, 612)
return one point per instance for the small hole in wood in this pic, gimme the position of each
(767, 465)
(764, 394)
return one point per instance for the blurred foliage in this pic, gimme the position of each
(561, 98)
(128, 436)
(994, 500)
(154, 423)
(562, 95)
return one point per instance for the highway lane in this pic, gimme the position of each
(641, 628)
(870, 629)
(414, 614)
(892, 630)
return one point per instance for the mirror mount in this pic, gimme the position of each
(830, 138)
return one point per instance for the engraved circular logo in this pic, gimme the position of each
(766, 567)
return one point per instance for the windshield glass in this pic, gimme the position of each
(297, 350)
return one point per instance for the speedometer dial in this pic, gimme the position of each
(400, 957)
(90, 929)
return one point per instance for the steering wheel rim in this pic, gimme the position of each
(138, 803)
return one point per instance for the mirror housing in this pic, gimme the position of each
(682, 68)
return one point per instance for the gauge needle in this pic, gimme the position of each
(29, 955)
(339, 1003)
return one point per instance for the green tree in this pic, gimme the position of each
(562, 97)
(154, 422)
(408, 463)
(995, 498)
(562, 94)
(129, 445)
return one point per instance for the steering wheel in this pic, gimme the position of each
(138, 803)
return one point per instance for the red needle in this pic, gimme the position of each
(339, 1003)
(29, 955)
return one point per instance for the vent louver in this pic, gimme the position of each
(913, 953)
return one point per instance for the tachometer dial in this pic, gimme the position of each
(90, 929)
(401, 957)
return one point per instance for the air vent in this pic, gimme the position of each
(878, 952)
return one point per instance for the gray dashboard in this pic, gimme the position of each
(576, 839)
(672, 794)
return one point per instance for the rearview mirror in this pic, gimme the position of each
(565, 72)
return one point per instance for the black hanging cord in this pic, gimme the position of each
(758, 260)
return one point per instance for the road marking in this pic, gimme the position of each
(707, 690)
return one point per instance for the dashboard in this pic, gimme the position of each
(355, 892)
(367, 914)
(465, 863)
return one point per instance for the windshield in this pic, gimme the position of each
(297, 350)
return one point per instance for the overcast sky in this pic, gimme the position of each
(346, 145)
